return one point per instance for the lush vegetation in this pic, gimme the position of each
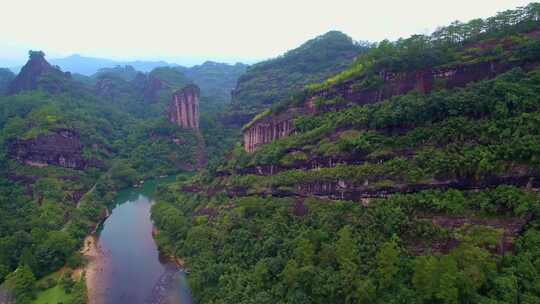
(445, 46)
(215, 79)
(250, 237)
(491, 102)
(6, 76)
(274, 80)
(145, 97)
(253, 230)
(47, 211)
(256, 250)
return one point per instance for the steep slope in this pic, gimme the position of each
(6, 76)
(274, 80)
(215, 79)
(411, 177)
(147, 95)
(37, 73)
(143, 95)
(63, 155)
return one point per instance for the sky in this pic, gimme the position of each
(221, 30)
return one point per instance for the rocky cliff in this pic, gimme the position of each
(271, 81)
(62, 148)
(261, 131)
(424, 81)
(267, 130)
(183, 110)
(34, 74)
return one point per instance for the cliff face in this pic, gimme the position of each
(62, 148)
(183, 110)
(33, 71)
(424, 81)
(267, 130)
(393, 84)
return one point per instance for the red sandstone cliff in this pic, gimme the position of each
(62, 148)
(268, 129)
(183, 110)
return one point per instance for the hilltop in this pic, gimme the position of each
(265, 83)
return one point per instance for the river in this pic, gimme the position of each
(130, 268)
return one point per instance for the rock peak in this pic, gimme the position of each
(31, 72)
(183, 110)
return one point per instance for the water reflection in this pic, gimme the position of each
(135, 271)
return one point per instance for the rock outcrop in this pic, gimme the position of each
(183, 110)
(423, 81)
(62, 148)
(30, 77)
(267, 130)
(260, 132)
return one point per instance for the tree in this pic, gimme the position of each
(447, 291)
(305, 252)
(388, 263)
(291, 274)
(36, 54)
(21, 282)
(346, 249)
(425, 276)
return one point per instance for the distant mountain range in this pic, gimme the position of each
(87, 66)
(90, 65)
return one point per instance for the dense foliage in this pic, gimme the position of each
(6, 76)
(255, 250)
(271, 226)
(215, 79)
(273, 80)
(456, 43)
(47, 211)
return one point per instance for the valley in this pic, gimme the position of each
(341, 171)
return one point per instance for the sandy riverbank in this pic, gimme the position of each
(95, 270)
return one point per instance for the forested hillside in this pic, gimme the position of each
(6, 76)
(270, 81)
(215, 79)
(410, 177)
(66, 149)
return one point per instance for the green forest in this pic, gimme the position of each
(47, 210)
(411, 172)
(420, 198)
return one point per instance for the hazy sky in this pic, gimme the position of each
(220, 29)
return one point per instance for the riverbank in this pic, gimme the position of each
(124, 264)
(166, 256)
(97, 261)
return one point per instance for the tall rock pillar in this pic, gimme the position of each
(184, 107)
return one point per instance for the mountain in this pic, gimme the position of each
(274, 80)
(67, 148)
(91, 65)
(216, 80)
(127, 72)
(6, 76)
(36, 74)
(410, 177)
